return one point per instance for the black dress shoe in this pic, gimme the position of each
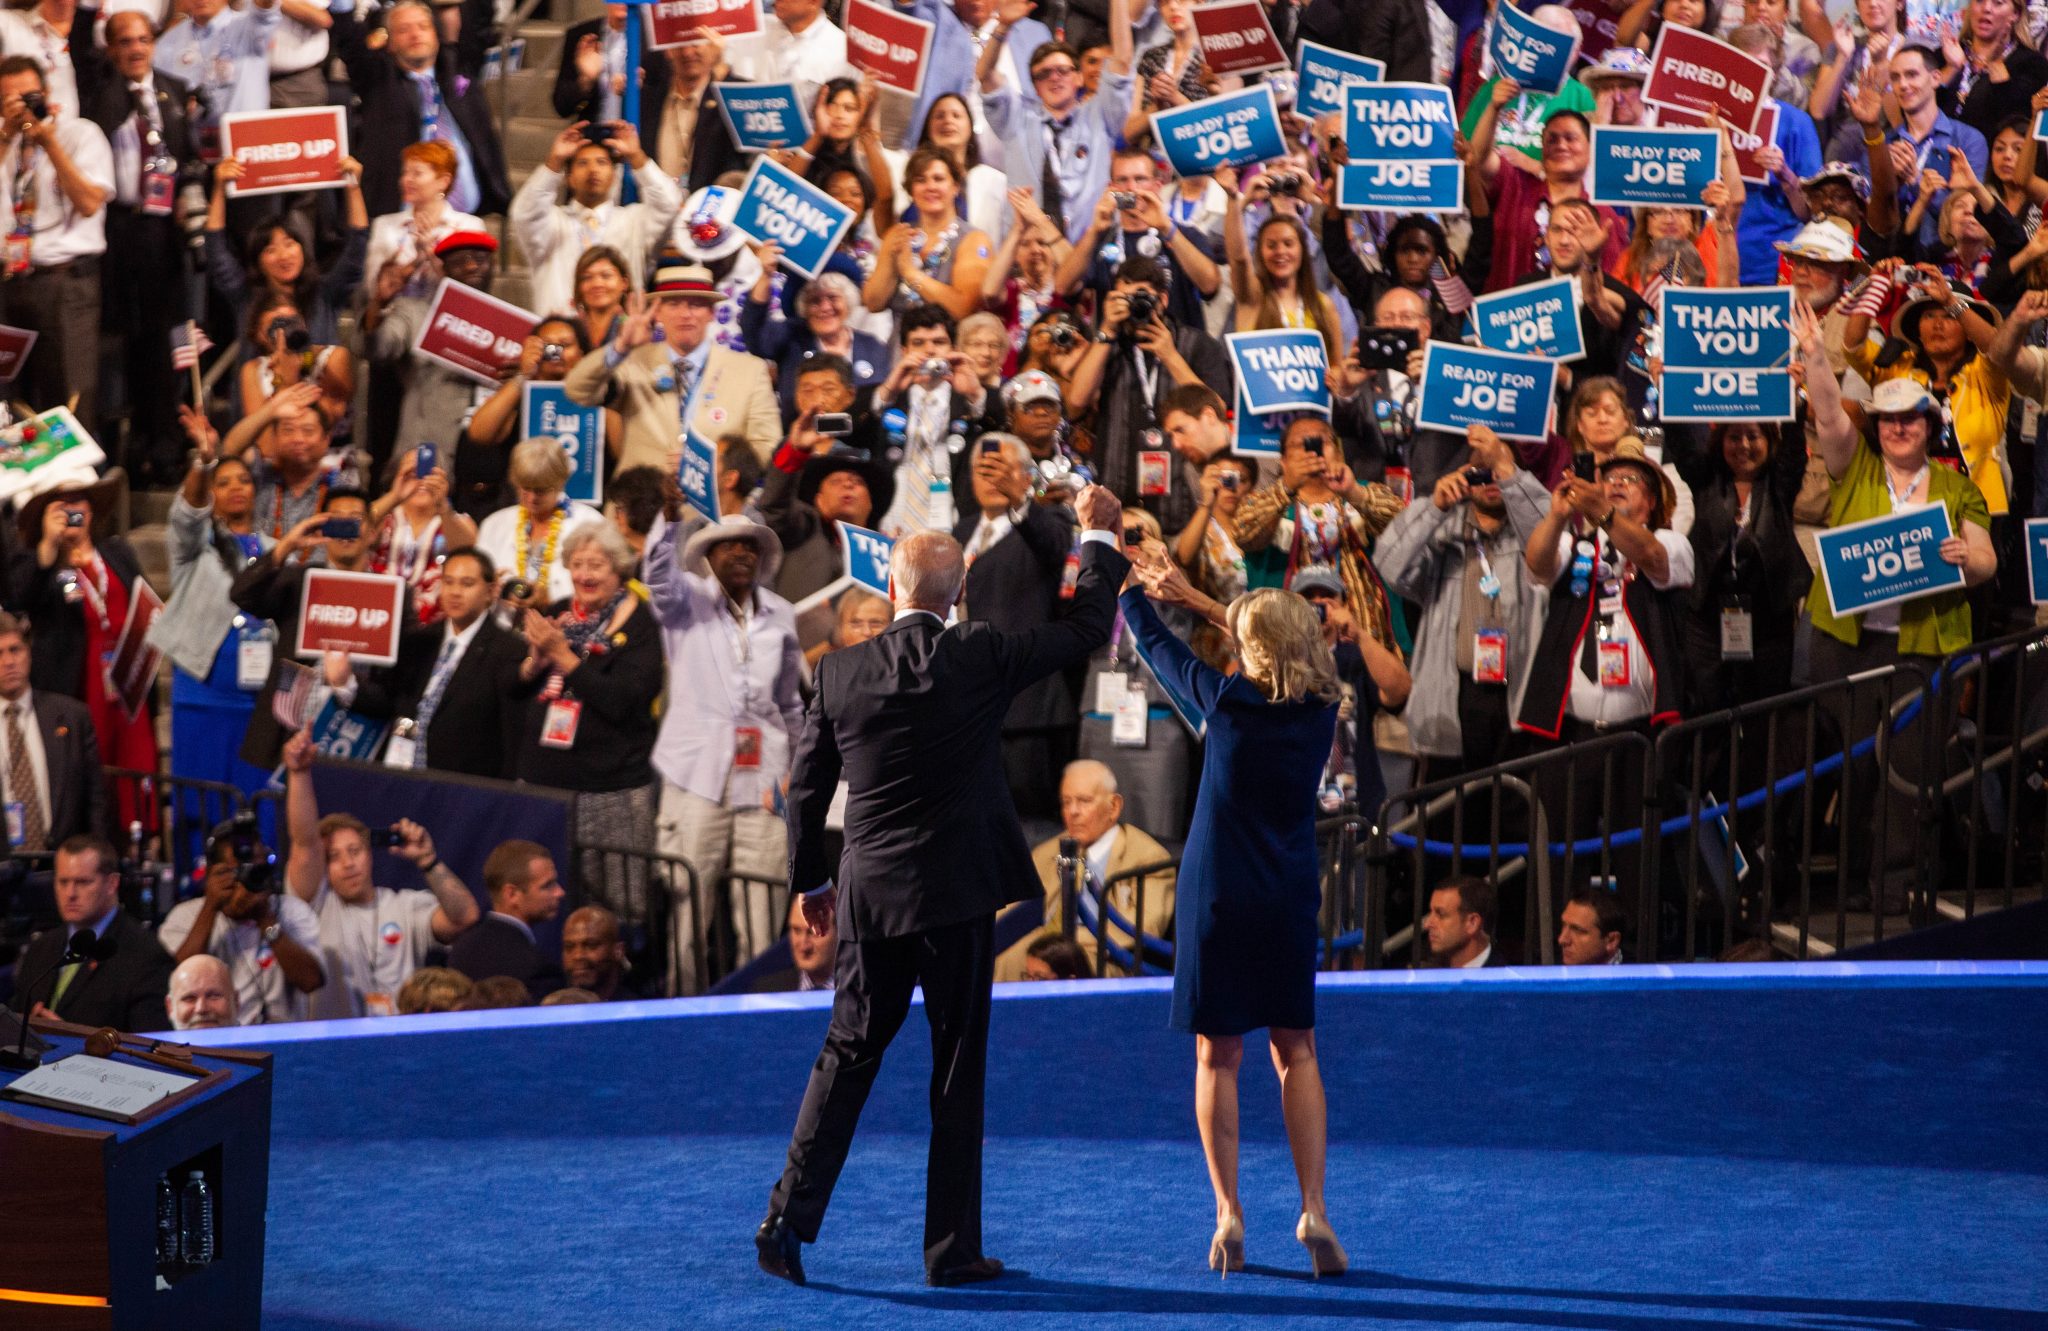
(966, 1273)
(781, 1252)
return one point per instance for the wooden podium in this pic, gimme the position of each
(78, 1243)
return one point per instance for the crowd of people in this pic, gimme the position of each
(1028, 301)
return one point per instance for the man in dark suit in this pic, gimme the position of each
(911, 718)
(142, 113)
(686, 95)
(124, 982)
(1394, 32)
(525, 891)
(410, 89)
(453, 680)
(1016, 557)
(590, 83)
(60, 791)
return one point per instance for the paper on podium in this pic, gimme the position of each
(97, 1086)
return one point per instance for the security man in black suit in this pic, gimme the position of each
(142, 113)
(933, 850)
(123, 983)
(453, 680)
(65, 794)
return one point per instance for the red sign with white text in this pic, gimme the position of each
(357, 613)
(1237, 38)
(674, 22)
(286, 150)
(15, 344)
(472, 333)
(1746, 145)
(1695, 72)
(891, 46)
(1597, 28)
(132, 673)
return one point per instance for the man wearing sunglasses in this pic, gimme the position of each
(1060, 145)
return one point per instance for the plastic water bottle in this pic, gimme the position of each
(195, 1221)
(167, 1238)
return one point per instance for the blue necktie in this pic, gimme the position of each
(430, 701)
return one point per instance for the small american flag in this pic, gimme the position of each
(1450, 288)
(294, 695)
(188, 341)
(1653, 289)
(1868, 299)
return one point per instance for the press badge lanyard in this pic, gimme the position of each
(1900, 499)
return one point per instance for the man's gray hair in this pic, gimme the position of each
(928, 570)
(610, 543)
(1015, 449)
(1100, 771)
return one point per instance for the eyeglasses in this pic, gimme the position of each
(1045, 72)
(1630, 479)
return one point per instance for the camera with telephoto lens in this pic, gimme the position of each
(255, 863)
(518, 589)
(1283, 184)
(37, 106)
(1142, 306)
(1478, 476)
(297, 337)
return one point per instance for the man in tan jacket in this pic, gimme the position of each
(1091, 809)
(648, 381)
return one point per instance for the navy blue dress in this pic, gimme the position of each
(1248, 893)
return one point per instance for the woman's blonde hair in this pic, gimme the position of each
(539, 463)
(1280, 646)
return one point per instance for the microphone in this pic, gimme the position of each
(85, 945)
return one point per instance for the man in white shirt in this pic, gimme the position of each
(268, 940)
(555, 235)
(371, 938)
(56, 175)
(223, 55)
(1460, 923)
(297, 55)
(799, 45)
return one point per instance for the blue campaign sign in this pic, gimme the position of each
(763, 115)
(1536, 57)
(697, 474)
(779, 205)
(1281, 370)
(2037, 560)
(1541, 319)
(1885, 560)
(546, 412)
(1708, 397)
(1711, 328)
(337, 732)
(1322, 74)
(1637, 167)
(1467, 386)
(1253, 435)
(2041, 124)
(867, 557)
(1406, 187)
(1400, 122)
(1236, 129)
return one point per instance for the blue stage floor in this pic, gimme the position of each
(1821, 1147)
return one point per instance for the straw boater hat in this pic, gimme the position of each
(697, 550)
(1620, 62)
(672, 276)
(1906, 324)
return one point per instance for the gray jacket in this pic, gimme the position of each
(1421, 557)
(199, 614)
(438, 402)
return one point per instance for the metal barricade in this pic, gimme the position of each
(1115, 930)
(169, 817)
(1988, 807)
(655, 884)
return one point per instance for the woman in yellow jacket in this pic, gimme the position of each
(1947, 334)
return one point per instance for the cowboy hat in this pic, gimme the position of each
(1629, 453)
(697, 550)
(103, 493)
(1906, 325)
(880, 481)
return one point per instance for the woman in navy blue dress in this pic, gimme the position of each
(1248, 891)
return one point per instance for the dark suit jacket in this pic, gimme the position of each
(71, 749)
(1014, 587)
(495, 945)
(388, 119)
(572, 103)
(470, 729)
(126, 991)
(713, 152)
(1393, 31)
(109, 104)
(912, 719)
(59, 664)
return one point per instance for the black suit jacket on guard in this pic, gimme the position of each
(912, 719)
(471, 730)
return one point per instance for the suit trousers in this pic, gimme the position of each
(62, 304)
(874, 979)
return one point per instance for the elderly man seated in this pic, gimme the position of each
(1092, 811)
(202, 995)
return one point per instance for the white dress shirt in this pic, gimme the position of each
(295, 46)
(809, 59)
(26, 32)
(32, 740)
(127, 143)
(262, 994)
(555, 235)
(62, 233)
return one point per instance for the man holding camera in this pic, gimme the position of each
(375, 937)
(56, 176)
(1131, 221)
(1456, 555)
(931, 404)
(268, 940)
(584, 157)
(1376, 392)
(1139, 357)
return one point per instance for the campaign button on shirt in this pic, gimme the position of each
(265, 959)
(390, 933)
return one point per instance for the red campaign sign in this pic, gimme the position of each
(674, 22)
(472, 333)
(357, 613)
(132, 672)
(1695, 72)
(1237, 38)
(891, 46)
(1747, 145)
(286, 150)
(1597, 28)
(15, 344)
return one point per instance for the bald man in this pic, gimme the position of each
(913, 719)
(1092, 812)
(202, 995)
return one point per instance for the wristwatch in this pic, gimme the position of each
(271, 932)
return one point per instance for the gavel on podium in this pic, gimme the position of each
(107, 1041)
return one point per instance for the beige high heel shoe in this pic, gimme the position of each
(1325, 1255)
(1226, 1249)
